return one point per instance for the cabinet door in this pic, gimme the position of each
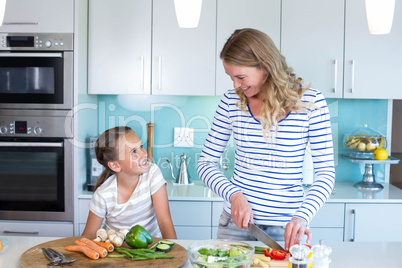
(373, 63)
(312, 42)
(45, 16)
(183, 59)
(263, 15)
(190, 213)
(373, 223)
(37, 228)
(119, 46)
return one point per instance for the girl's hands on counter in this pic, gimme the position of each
(241, 210)
(295, 229)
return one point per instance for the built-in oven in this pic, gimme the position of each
(36, 166)
(36, 71)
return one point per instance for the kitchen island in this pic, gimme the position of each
(345, 255)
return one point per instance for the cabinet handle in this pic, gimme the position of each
(353, 76)
(335, 74)
(20, 23)
(142, 73)
(354, 226)
(160, 73)
(16, 232)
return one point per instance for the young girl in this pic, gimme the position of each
(130, 190)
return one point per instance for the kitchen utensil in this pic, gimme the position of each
(263, 237)
(60, 255)
(33, 257)
(54, 261)
(241, 260)
(150, 141)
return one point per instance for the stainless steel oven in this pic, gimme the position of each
(36, 165)
(36, 71)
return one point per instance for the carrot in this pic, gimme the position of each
(101, 250)
(108, 246)
(87, 251)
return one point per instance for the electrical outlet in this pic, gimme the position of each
(183, 137)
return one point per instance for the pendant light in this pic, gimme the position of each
(380, 14)
(188, 12)
(2, 10)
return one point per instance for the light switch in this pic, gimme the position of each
(183, 137)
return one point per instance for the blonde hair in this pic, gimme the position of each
(106, 150)
(282, 89)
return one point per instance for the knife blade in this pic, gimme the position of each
(262, 236)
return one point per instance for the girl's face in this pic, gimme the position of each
(249, 79)
(132, 155)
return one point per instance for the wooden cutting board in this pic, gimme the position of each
(34, 256)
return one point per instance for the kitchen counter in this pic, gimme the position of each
(343, 192)
(344, 254)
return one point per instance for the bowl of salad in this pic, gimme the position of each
(220, 253)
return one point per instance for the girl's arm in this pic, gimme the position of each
(93, 224)
(162, 211)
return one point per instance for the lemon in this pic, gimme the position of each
(380, 154)
(1, 245)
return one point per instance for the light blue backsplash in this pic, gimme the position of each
(167, 112)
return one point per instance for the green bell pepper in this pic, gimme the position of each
(138, 237)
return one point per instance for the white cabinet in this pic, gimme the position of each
(36, 228)
(121, 42)
(373, 223)
(183, 60)
(312, 42)
(263, 15)
(329, 45)
(83, 210)
(373, 63)
(45, 16)
(119, 54)
(328, 223)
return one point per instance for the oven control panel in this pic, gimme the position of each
(36, 41)
(48, 126)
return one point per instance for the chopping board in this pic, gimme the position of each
(34, 256)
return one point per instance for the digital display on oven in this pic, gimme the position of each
(20, 41)
(20, 127)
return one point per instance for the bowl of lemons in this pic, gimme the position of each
(364, 141)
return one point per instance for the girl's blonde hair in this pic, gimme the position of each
(106, 150)
(282, 90)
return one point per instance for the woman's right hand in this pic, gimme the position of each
(241, 211)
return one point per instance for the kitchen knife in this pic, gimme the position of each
(260, 235)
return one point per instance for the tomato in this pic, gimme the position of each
(278, 254)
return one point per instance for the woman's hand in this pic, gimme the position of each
(240, 210)
(295, 229)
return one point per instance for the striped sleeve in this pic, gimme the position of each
(213, 147)
(321, 144)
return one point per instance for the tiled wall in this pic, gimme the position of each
(167, 112)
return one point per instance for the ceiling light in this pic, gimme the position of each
(380, 14)
(2, 10)
(188, 12)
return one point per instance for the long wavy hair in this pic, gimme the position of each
(106, 150)
(282, 89)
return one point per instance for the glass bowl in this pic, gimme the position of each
(228, 253)
(364, 141)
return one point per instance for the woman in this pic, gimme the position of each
(272, 117)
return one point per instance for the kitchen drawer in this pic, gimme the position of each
(31, 228)
(217, 208)
(326, 234)
(330, 215)
(189, 213)
(83, 210)
(193, 233)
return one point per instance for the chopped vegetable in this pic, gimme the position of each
(87, 251)
(163, 247)
(278, 254)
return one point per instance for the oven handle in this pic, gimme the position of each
(31, 144)
(48, 55)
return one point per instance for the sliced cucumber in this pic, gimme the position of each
(163, 247)
(167, 242)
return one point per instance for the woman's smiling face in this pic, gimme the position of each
(249, 79)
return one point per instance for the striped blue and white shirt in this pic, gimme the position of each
(269, 173)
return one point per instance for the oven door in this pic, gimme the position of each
(36, 80)
(36, 180)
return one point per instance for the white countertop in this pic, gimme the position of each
(343, 193)
(344, 254)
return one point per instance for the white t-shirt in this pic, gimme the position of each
(138, 209)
